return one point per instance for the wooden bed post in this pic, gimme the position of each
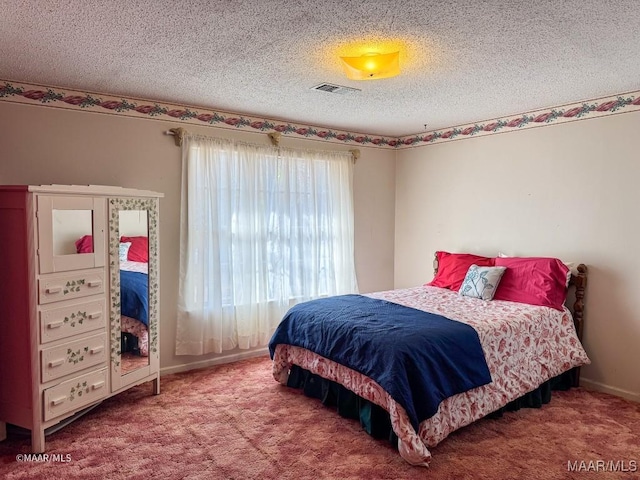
(579, 280)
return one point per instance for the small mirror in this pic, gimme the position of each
(72, 232)
(134, 289)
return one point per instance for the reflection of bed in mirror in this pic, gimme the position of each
(134, 318)
(134, 289)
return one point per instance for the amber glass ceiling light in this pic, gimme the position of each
(372, 66)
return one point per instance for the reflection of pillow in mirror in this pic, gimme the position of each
(84, 244)
(139, 250)
(124, 251)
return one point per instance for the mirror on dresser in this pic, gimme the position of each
(70, 233)
(133, 254)
(134, 293)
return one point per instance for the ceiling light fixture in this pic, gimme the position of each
(372, 66)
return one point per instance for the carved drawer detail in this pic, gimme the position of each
(75, 394)
(74, 319)
(72, 357)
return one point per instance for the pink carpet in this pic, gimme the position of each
(235, 422)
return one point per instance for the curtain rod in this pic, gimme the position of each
(179, 133)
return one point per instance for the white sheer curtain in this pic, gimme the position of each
(261, 229)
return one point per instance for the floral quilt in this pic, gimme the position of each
(524, 346)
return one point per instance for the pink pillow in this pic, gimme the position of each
(139, 249)
(533, 280)
(453, 267)
(85, 244)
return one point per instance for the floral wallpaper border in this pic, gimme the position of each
(614, 104)
(76, 100)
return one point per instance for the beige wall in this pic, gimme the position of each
(41, 145)
(569, 191)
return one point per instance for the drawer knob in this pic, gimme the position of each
(94, 283)
(95, 315)
(52, 290)
(56, 363)
(95, 350)
(55, 324)
(97, 385)
(58, 401)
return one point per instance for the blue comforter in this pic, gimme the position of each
(134, 296)
(419, 358)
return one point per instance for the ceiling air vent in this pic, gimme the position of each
(339, 89)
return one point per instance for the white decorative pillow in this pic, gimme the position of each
(123, 252)
(481, 282)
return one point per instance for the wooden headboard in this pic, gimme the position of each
(578, 280)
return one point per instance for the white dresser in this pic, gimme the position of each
(60, 298)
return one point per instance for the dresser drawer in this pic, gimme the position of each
(56, 287)
(74, 394)
(72, 319)
(56, 362)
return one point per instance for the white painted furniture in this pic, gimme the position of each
(60, 339)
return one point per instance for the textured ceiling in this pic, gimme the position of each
(462, 61)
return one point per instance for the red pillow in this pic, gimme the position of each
(533, 280)
(85, 244)
(453, 267)
(139, 249)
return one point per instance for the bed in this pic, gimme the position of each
(524, 345)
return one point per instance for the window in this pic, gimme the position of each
(262, 229)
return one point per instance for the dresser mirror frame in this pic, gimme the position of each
(49, 260)
(119, 379)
